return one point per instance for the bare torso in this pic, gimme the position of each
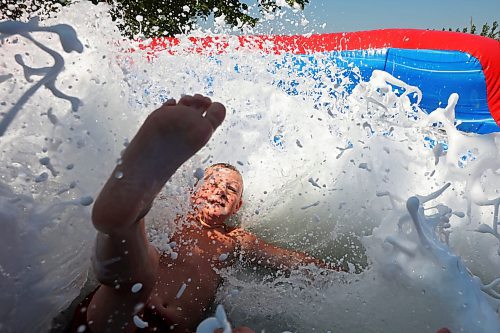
(187, 282)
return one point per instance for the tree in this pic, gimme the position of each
(486, 30)
(151, 18)
(493, 33)
(472, 27)
(169, 17)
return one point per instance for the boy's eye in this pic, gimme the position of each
(232, 189)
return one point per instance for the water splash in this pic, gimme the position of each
(69, 42)
(350, 159)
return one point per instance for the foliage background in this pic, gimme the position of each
(486, 30)
(152, 18)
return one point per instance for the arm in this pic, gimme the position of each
(272, 256)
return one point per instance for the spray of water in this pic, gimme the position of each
(365, 179)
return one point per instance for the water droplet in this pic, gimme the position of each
(136, 287)
(139, 306)
(198, 173)
(139, 322)
(118, 174)
(86, 201)
(42, 177)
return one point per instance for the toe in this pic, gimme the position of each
(170, 102)
(216, 113)
(186, 100)
(201, 102)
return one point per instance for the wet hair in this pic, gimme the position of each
(226, 166)
(230, 167)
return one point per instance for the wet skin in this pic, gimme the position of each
(124, 257)
(218, 197)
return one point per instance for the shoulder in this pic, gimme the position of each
(239, 233)
(245, 239)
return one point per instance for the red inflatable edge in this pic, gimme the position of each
(486, 50)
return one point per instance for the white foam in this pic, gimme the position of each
(219, 321)
(305, 160)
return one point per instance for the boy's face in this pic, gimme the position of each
(219, 196)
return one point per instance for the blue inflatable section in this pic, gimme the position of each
(437, 74)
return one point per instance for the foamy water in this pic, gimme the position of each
(361, 178)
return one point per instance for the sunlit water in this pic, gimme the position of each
(362, 179)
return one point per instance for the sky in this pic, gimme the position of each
(354, 15)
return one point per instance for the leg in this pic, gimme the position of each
(168, 137)
(123, 257)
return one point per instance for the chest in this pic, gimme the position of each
(210, 246)
(187, 281)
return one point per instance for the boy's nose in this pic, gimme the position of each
(220, 191)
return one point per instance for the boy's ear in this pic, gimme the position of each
(238, 206)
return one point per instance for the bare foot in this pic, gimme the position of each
(169, 136)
